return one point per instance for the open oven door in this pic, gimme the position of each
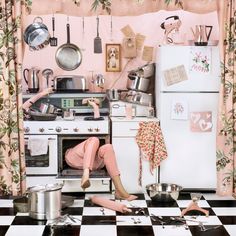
(100, 180)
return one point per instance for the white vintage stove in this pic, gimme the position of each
(63, 134)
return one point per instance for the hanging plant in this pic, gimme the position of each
(106, 5)
(27, 4)
(177, 2)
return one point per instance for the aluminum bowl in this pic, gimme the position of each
(163, 192)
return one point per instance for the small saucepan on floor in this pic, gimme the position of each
(163, 192)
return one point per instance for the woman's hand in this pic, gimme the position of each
(47, 91)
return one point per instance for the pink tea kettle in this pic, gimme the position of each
(31, 77)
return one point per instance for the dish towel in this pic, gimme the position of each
(38, 146)
(151, 145)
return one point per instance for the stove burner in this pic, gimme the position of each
(92, 118)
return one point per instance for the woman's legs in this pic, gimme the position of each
(87, 150)
(90, 149)
(107, 153)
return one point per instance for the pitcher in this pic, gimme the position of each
(31, 77)
(201, 36)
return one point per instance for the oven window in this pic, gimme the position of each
(70, 143)
(36, 161)
(66, 142)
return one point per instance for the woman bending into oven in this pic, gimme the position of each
(89, 156)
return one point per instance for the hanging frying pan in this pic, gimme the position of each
(68, 55)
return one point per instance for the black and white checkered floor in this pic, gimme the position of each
(89, 219)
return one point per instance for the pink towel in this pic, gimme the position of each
(104, 202)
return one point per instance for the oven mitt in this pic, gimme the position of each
(107, 203)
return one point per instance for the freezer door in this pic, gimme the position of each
(169, 57)
(191, 160)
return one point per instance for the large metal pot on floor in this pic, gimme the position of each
(45, 201)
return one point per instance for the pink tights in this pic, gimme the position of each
(89, 155)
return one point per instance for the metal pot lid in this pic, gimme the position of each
(45, 188)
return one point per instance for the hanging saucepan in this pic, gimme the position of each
(68, 55)
(37, 35)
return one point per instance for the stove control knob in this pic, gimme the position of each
(58, 129)
(90, 130)
(97, 129)
(76, 129)
(41, 130)
(27, 129)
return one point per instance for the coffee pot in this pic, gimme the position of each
(201, 36)
(31, 77)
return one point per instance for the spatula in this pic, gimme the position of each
(53, 40)
(97, 40)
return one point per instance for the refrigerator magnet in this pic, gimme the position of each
(175, 75)
(201, 121)
(179, 110)
(200, 60)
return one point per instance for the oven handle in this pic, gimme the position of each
(48, 139)
(27, 139)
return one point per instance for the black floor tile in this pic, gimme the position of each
(222, 203)
(73, 211)
(196, 231)
(199, 213)
(3, 229)
(26, 220)
(135, 231)
(7, 211)
(62, 230)
(78, 195)
(161, 204)
(99, 220)
(228, 220)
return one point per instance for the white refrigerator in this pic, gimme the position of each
(187, 90)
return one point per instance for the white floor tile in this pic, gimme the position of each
(224, 211)
(206, 220)
(26, 230)
(105, 195)
(130, 220)
(171, 231)
(213, 196)
(6, 203)
(185, 203)
(91, 230)
(97, 211)
(6, 220)
(78, 203)
(231, 229)
(77, 221)
(164, 211)
(135, 203)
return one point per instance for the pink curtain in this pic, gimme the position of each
(120, 7)
(12, 161)
(226, 141)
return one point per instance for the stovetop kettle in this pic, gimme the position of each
(31, 77)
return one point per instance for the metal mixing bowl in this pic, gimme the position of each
(163, 192)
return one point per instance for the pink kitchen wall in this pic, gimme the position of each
(148, 25)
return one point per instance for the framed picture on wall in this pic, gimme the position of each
(113, 57)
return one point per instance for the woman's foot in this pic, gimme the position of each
(85, 183)
(125, 196)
